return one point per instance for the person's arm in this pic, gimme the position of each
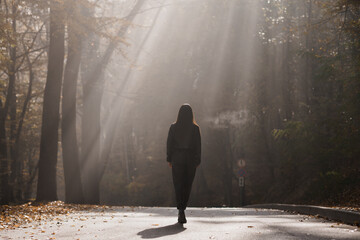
(170, 144)
(197, 146)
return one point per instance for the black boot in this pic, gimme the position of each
(181, 217)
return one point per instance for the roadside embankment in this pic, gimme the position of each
(345, 216)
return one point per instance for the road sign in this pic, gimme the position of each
(241, 172)
(241, 181)
(241, 163)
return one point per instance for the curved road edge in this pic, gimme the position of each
(348, 217)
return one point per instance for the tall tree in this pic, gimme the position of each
(46, 188)
(5, 194)
(9, 105)
(70, 150)
(12, 102)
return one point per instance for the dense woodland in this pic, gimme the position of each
(89, 88)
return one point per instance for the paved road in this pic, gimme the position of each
(203, 223)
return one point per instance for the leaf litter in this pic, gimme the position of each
(15, 216)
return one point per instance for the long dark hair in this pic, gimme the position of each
(185, 116)
(184, 126)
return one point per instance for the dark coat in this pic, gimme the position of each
(179, 141)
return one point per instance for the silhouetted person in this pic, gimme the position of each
(183, 155)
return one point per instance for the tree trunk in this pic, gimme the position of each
(91, 143)
(46, 188)
(5, 191)
(14, 164)
(9, 105)
(12, 106)
(308, 61)
(32, 174)
(73, 188)
(286, 73)
(19, 190)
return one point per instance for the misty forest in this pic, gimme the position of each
(89, 89)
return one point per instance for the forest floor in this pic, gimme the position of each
(57, 220)
(14, 216)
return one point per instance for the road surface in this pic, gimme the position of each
(203, 223)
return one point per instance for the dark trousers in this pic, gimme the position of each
(183, 172)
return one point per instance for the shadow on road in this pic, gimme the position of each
(162, 231)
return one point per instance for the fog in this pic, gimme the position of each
(241, 66)
(196, 52)
(89, 90)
